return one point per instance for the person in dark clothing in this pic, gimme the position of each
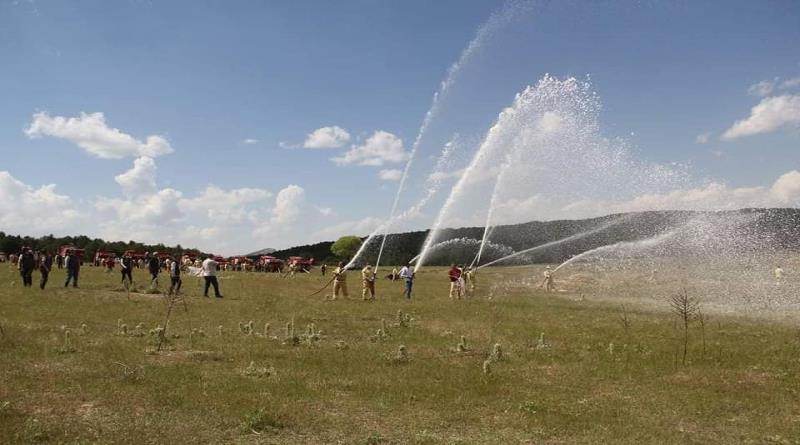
(323, 269)
(26, 265)
(59, 261)
(153, 266)
(45, 264)
(174, 277)
(126, 266)
(73, 264)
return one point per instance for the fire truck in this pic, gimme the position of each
(101, 256)
(301, 263)
(271, 264)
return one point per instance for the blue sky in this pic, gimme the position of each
(234, 89)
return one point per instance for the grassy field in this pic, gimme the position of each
(575, 367)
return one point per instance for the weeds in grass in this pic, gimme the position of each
(702, 318)
(84, 329)
(497, 353)
(261, 421)
(374, 438)
(123, 329)
(401, 356)
(67, 346)
(131, 373)
(220, 331)
(487, 366)
(258, 371)
(341, 345)
(686, 308)
(462, 345)
(541, 345)
(266, 329)
(529, 407)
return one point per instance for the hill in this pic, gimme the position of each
(746, 228)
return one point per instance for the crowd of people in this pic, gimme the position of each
(27, 261)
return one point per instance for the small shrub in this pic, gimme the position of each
(261, 421)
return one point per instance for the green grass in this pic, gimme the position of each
(347, 387)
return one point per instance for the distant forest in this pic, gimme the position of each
(13, 243)
(755, 229)
(747, 228)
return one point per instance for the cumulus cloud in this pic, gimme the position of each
(33, 211)
(771, 114)
(763, 88)
(767, 87)
(250, 141)
(327, 137)
(379, 149)
(140, 179)
(390, 174)
(234, 205)
(357, 227)
(288, 204)
(91, 133)
(156, 209)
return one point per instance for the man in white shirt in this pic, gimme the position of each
(407, 274)
(210, 276)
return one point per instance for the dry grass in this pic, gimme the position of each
(345, 388)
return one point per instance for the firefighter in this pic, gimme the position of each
(45, 264)
(455, 288)
(339, 281)
(549, 286)
(367, 282)
(469, 282)
(26, 264)
(779, 279)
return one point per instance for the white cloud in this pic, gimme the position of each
(787, 188)
(250, 141)
(358, 227)
(33, 211)
(140, 179)
(771, 114)
(327, 137)
(325, 211)
(379, 149)
(702, 138)
(288, 205)
(90, 132)
(234, 205)
(442, 175)
(790, 83)
(390, 174)
(155, 209)
(763, 88)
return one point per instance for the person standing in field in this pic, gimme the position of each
(153, 267)
(779, 276)
(174, 277)
(549, 286)
(339, 281)
(210, 276)
(72, 263)
(323, 269)
(407, 274)
(126, 267)
(45, 265)
(455, 275)
(469, 282)
(395, 274)
(26, 264)
(367, 282)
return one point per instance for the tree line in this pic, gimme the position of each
(14, 243)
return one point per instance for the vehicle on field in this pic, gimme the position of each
(271, 264)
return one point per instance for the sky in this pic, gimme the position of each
(235, 126)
